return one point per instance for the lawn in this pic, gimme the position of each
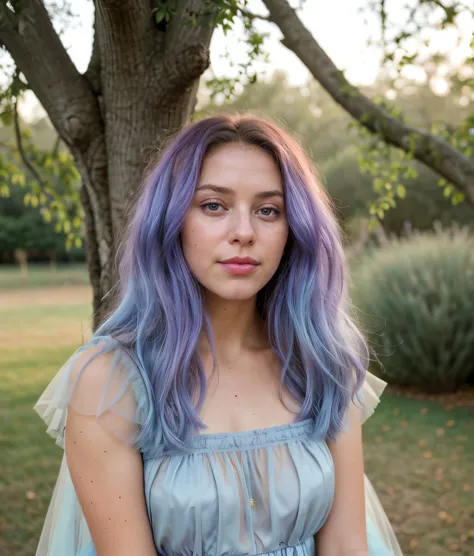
(419, 453)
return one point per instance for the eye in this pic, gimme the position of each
(206, 208)
(209, 204)
(275, 211)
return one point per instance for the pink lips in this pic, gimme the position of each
(239, 269)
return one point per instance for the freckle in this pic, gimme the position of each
(92, 481)
(125, 521)
(110, 519)
(105, 451)
(74, 441)
(120, 497)
(80, 432)
(235, 395)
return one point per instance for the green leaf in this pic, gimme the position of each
(18, 179)
(401, 191)
(46, 215)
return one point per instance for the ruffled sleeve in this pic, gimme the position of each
(369, 395)
(381, 537)
(102, 380)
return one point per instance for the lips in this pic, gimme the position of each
(239, 268)
(240, 260)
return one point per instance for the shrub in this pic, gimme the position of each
(416, 302)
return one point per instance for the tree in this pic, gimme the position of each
(23, 228)
(141, 86)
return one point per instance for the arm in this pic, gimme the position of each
(108, 478)
(344, 532)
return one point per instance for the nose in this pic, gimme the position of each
(242, 229)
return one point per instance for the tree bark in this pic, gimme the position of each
(140, 86)
(430, 149)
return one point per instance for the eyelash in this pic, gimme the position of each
(276, 211)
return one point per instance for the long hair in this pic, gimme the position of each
(160, 311)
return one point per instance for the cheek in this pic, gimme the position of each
(195, 242)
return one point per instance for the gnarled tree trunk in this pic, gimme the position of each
(140, 87)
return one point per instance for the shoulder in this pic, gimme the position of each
(102, 379)
(102, 366)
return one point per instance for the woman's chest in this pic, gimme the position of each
(245, 395)
(220, 500)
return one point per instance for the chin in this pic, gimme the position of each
(237, 292)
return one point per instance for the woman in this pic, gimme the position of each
(232, 320)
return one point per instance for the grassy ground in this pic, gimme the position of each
(419, 454)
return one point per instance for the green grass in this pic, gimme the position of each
(419, 456)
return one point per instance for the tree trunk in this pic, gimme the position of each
(139, 88)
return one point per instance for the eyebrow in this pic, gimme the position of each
(229, 191)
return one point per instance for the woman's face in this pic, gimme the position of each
(239, 221)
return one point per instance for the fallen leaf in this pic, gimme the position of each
(450, 423)
(386, 428)
(422, 443)
(463, 537)
(396, 411)
(30, 495)
(404, 424)
(378, 439)
(470, 533)
(427, 454)
(389, 490)
(454, 547)
(466, 487)
(424, 411)
(443, 515)
(413, 544)
(439, 432)
(459, 448)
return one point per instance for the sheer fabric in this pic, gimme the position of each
(266, 491)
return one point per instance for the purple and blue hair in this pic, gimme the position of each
(160, 313)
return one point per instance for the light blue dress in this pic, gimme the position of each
(267, 491)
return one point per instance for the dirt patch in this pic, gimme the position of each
(70, 295)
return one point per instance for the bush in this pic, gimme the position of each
(416, 301)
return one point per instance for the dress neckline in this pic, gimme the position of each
(223, 441)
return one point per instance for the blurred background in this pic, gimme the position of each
(380, 94)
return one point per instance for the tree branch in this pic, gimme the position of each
(251, 15)
(39, 54)
(187, 46)
(126, 39)
(430, 149)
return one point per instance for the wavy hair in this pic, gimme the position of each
(160, 311)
